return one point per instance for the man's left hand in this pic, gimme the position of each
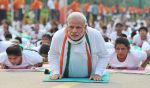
(95, 77)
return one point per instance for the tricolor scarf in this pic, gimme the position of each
(88, 48)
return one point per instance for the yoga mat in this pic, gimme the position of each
(105, 79)
(143, 72)
(18, 70)
(36, 69)
(40, 69)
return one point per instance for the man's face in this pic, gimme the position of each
(121, 51)
(36, 28)
(76, 29)
(143, 34)
(119, 29)
(45, 40)
(15, 60)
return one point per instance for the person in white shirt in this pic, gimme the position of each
(117, 33)
(36, 34)
(141, 37)
(46, 39)
(5, 28)
(52, 9)
(77, 50)
(125, 58)
(16, 58)
(127, 30)
(104, 31)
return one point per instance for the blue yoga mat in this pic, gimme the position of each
(105, 79)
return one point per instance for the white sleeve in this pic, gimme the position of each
(145, 46)
(53, 55)
(32, 56)
(141, 55)
(3, 57)
(102, 56)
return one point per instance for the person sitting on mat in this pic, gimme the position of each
(77, 50)
(122, 57)
(16, 58)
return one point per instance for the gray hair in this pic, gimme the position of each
(77, 15)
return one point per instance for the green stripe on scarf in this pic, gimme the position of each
(68, 59)
(66, 72)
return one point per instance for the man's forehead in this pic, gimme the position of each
(76, 22)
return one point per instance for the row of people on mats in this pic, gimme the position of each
(78, 51)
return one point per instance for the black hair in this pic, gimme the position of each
(44, 49)
(48, 36)
(123, 35)
(143, 28)
(133, 34)
(107, 39)
(15, 50)
(104, 27)
(19, 39)
(123, 41)
(8, 35)
(119, 24)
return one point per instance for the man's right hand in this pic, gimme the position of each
(56, 76)
(3, 66)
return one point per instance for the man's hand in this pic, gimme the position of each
(56, 76)
(141, 68)
(95, 77)
(3, 66)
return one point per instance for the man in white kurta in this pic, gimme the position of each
(78, 66)
(29, 58)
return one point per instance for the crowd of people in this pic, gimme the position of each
(121, 43)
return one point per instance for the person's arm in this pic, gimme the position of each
(3, 57)
(143, 65)
(34, 66)
(2, 66)
(102, 58)
(53, 57)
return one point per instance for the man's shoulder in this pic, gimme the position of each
(31, 53)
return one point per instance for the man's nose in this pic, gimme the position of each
(120, 50)
(74, 30)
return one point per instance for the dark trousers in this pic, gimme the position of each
(37, 14)
(3, 15)
(54, 14)
(19, 14)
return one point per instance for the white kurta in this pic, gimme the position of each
(4, 45)
(113, 36)
(138, 41)
(78, 57)
(28, 58)
(133, 59)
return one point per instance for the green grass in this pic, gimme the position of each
(44, 15)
